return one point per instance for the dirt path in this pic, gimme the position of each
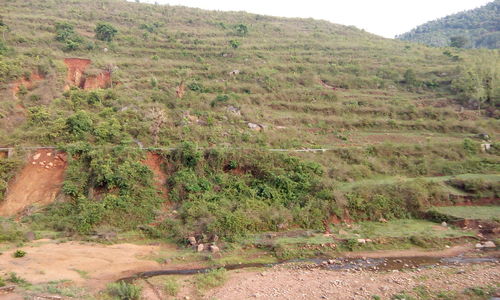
(287, 283)
(87, 264)
(39, 182)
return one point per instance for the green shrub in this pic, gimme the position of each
(241, 29)
(10, 231)
(3, 48)
(19, 253)
(470, 147)
(105, 31)
(235, 44)
(16, 279)
(124, 291)
(219, 100)
(79, 123)
(65, 33)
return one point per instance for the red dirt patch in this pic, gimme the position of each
(76, 71)
(29, 83)
(100, 81)
(39, 182)
(153, 162)
(76, 75)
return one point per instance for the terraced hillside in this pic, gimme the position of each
(104, 80)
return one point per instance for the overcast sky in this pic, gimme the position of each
(383, 17)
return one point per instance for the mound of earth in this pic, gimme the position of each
(38, 183)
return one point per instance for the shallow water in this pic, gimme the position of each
(369, 264)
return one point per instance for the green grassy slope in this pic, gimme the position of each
(381, 107)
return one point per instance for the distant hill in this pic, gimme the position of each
(477, 28)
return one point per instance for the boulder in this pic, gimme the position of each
(234, 110)
(192, 240)
(479, 246)
(256, 127)
(489, 244)
(444, 224)
(200, 248)
(214, 249)
(362, 241)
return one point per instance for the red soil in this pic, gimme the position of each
(153, 162)
(39, 182)
(76, 75)
(76, 70)
(100, 81)
(29, 83)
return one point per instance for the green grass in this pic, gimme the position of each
(396, 179)
(471, 212)
(398, 229)
(171, 287)
(210, 280)
(244, 255)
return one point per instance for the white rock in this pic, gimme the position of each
(36, 156)
(489, 244)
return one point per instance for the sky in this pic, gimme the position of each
(383, 17)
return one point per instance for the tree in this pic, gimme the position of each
(458, 41)
(105, 32)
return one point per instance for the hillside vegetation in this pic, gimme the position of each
(224, 89)
(476, 28)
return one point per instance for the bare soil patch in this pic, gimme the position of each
(28, 83)
(154, 163)
(39, 182)
(88, 264)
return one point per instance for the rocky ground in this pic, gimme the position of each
(286, 282)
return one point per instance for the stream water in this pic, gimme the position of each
(370, 264)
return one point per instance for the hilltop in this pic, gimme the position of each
(476, 28)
